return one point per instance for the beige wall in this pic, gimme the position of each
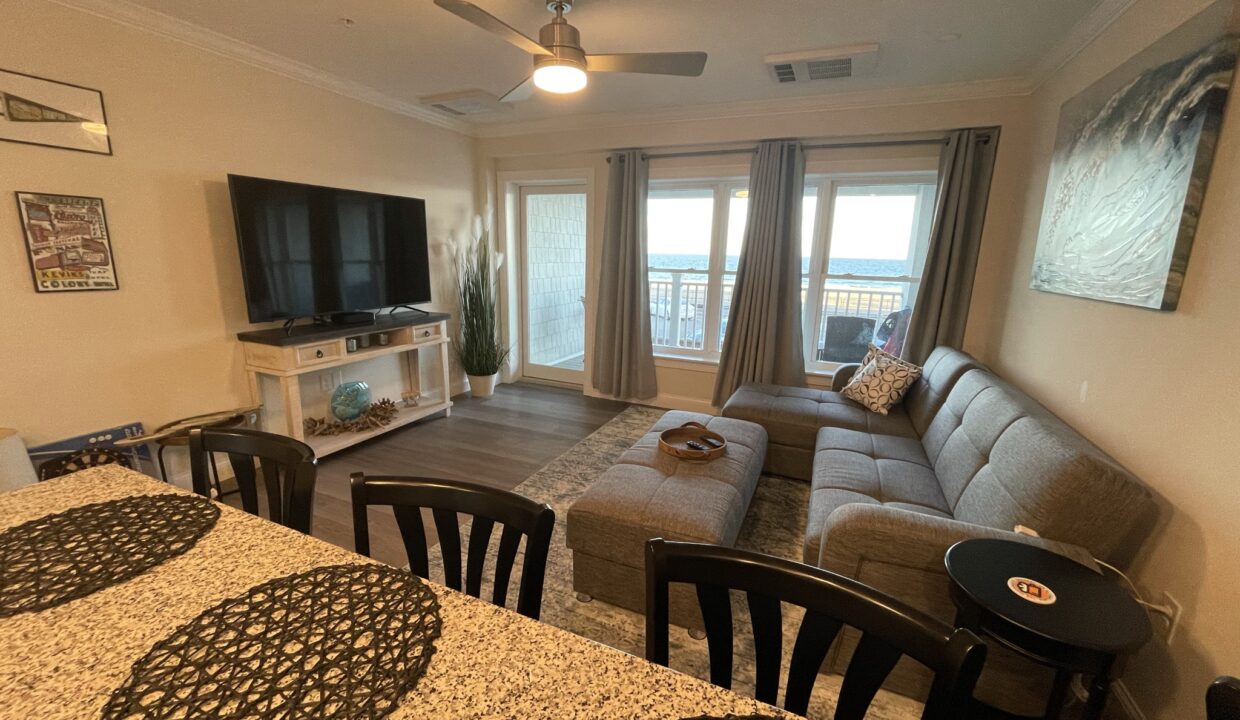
(690, 385)
(163, 346)
(1162, 387)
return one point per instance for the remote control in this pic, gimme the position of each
(696, 445)
(712, 442)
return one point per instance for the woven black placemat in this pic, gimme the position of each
(343, 641)
(69, 555)
(731, 716)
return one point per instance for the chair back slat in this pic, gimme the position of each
(277, 497)
(872, 661)
(509, 541)
(479, 542)
(813, 641)
(449, 533)
(717, 616)
(486, 506)
(889, 628)
(413, 534)
(246, 478)
(766, 617)
(288, 471)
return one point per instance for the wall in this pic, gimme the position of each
(1162, 387)
(688, 384)
(163, 346)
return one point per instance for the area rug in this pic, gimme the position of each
(775, 525)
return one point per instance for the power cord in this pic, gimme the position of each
(1166, 611)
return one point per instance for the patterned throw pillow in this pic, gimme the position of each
(881, 381)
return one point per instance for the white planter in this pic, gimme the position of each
(482, 386)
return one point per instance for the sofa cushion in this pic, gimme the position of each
(852, 466)
(940, 373)
(649, 493)
(1002, 460)
(792, 416)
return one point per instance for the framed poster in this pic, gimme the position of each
(67, 242)
(37, 111)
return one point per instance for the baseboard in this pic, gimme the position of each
(682, 402)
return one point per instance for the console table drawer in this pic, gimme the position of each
(427, 333)
(318, 353)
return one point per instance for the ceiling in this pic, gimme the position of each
(407, 49)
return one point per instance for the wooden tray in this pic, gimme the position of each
(672, 442)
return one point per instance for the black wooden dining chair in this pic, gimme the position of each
(287, 469)
(1223, 699)
(890, 628)
(518, 515)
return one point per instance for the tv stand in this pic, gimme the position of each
(276, 360)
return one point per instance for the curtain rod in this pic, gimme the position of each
(816, 146)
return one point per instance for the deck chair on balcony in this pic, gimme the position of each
(847, 338)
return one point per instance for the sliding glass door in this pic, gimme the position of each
(553, 282)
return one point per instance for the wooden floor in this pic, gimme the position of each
(499, 441)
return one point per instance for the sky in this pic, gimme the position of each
(874, 227)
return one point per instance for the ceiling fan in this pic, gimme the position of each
(560, 65)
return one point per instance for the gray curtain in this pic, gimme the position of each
(623, 353)
(763, 339)
(942, 307)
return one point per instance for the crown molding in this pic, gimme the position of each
(885, 97)
(1081, 36)
(157, 23)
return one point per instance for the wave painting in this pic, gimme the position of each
(1130, 167)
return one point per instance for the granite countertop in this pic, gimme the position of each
(489, 662)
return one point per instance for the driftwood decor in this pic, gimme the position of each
(65, 556)
(380, 414)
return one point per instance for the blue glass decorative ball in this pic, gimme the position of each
(350, 400)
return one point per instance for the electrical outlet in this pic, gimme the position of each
(1173, 619)
(326, 381)
(1084, 392)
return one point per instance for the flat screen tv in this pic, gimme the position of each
(308, 251)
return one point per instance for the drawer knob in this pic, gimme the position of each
(426, 333)
(318, 353)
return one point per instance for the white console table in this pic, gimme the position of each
(276, 361)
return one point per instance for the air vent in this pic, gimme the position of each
(825, 64)
(467, 102)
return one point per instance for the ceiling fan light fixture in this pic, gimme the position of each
(562, 77)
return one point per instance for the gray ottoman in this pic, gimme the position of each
(649, 494)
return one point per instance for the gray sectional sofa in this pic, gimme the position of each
(967, 455)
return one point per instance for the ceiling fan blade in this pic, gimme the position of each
(490, 23)
(523, 91)
(689, 64)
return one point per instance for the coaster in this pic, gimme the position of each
(65, 556)
(1031, 591)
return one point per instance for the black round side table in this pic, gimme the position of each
(1048, 608)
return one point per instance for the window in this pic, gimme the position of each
(688, 231)
(863, 243)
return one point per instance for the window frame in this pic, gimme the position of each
(721, 190)
(825, 186)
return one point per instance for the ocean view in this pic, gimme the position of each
(885, 268)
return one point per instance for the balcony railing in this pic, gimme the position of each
(678, 309)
